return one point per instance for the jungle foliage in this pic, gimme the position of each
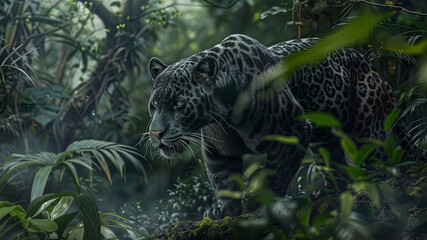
(74, 88)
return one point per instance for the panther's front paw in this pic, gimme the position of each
(213, 213)
(218, 213)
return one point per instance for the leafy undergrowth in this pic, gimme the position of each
(399, 214)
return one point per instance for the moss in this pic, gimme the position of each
(204, 229)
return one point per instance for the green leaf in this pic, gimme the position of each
(63, 222)
(396, 156)
(44, 225)
(346, 202)
(325, 153)
(43, 114)
(89, 211)
(406, 163)
(44, 206)
(80, 162)
(38, 202)
(107, 233)
(39, 182)
(370, 189)
(389, 144)
(102, 163)
(349, 148)
(73, 172)
(5, 210)
(239, 180)
(364, 152)
(321, 219)
(391, 118)
(253, 168)
(11, 28)
(229, 194)
(283, 139)
(356, 32)
(118, 162)
(76, 233)
(321, 119)
(61, 207)
(354, 172)
(304, 210)
(19, 212)
(11, 226)
(418, 48)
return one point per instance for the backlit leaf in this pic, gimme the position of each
(283, 139)
(391, 118)
(321, 119)
(346, 202)
(363, 153)
(349, 148)
(230, 194)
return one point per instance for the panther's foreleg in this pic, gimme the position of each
(219, 168)
(285, 158)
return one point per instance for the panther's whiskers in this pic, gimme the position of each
(209, 115)
(220, 117)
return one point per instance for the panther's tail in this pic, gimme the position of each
(412, 152)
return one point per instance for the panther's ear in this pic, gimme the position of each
(206, 70)
(156, 67)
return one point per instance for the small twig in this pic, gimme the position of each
(388, 6)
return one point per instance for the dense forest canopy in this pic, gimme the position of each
(75, 87)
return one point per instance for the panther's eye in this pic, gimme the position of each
(178, 103)
(155, 103)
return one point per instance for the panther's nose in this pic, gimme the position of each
(158, 134)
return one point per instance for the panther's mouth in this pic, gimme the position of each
(174, 148)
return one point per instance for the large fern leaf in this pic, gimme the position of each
(84, 153)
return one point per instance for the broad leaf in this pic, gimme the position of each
(38, 202)
(346, 202)
(363, 153)
(5, 210)
(44, 225)
(391, 118)
(61, 207)
(63, 222)
(396, 156)
(89, 211)
(349, 148)
(39, 181)
(321, 119)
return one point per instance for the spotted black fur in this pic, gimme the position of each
(200, 92)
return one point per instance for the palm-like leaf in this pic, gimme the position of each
(85, 153)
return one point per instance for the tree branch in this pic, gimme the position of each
(219, 6)
(107, 17)
(389, 6)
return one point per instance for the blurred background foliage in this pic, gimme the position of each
(75, 70)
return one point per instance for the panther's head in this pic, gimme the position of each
(180, 102)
